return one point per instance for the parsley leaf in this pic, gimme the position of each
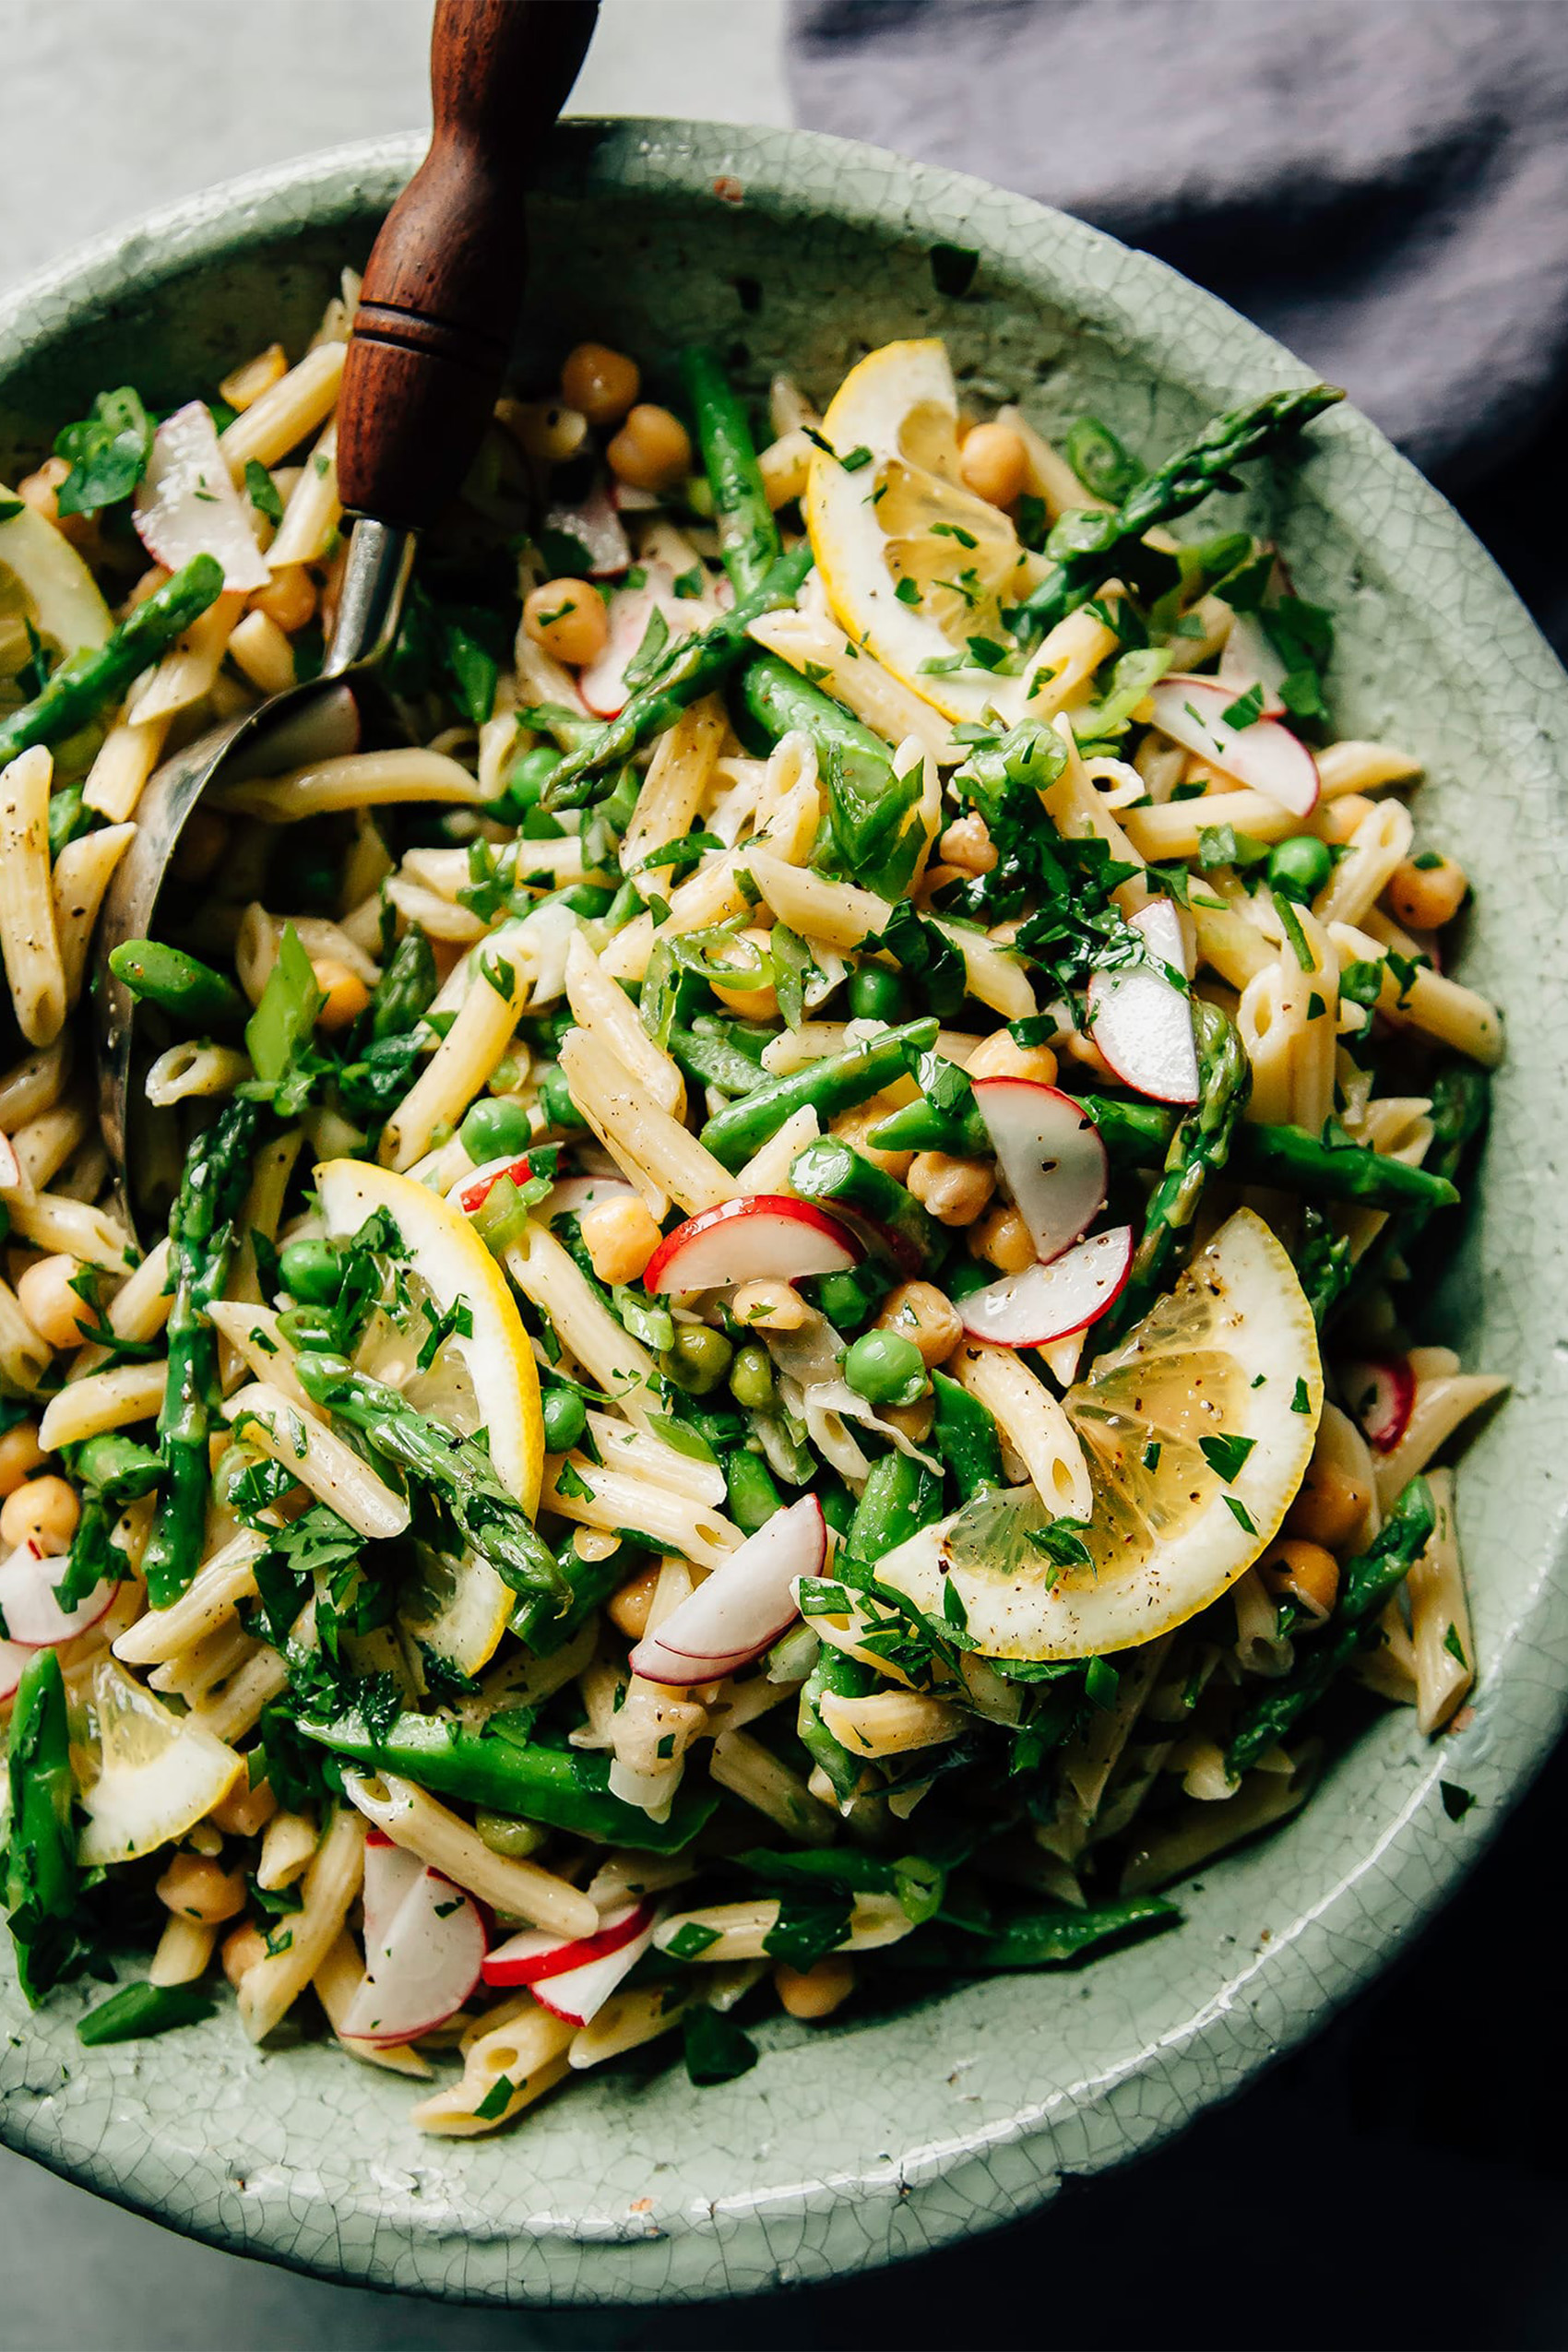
(108, 450)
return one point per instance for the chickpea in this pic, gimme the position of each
(199, 1890)
(203, 840)
(628, 1609)
(652, 449)
(55, 1311)
(768, 1306)
(920, 1312)
(599, 382)
(20, 1455)
(854, 1126)
(998, 1056)
(912, 1422)
(1003, 1238)
(1330, 1504)
(953, 1190)
(1427, 893)
(967, 845)
(346, 994)
(244, 1810)
(1338, 819)
(567, 618)
(43, 1513)
(1304, 1573)
(37, 490)
(546, 431)
(620, 1237)
(995, 463)
(242, 1949)
(751, 1004)
(289, 598)
(813, 1994)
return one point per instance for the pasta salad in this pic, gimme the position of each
(778, 1371)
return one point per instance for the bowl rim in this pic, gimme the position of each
(968, 2182)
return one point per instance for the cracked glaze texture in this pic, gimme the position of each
(873, 2140)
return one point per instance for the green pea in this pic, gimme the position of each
(555, 1101)
(306, 1328)
(565, 1418)
(698, 1358)
(310, 1271)
(495, 1130)
(885, 1367)
(751, 1378)
(1298, 868)
(877, 994)
(525, 786)
(845, 1298)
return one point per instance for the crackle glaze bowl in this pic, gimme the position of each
(874, 2139)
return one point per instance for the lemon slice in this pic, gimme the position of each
(44, 578)
(482, 1377)
(159, 1772)
(914, 564)
(1229, 1357)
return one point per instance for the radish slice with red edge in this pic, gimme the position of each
(1266, 755)
(389, 1874)
(1248, 660)
(186, 503)
(421, 1968)
(471, 1192)
(533, 1954)
(597, 528)
(1143, 1022)
(603, 683)
(1381, 1395)
(581, 1993)
(13, 1658)
(734, 1614)
(758, 1237)
(31, 1615)
(1050, 1155)
(1045, 1303)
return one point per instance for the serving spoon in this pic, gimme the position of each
(426, 356)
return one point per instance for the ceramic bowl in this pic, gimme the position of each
(870, 2140)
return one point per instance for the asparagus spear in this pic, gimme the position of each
(782, 703)
(406, 987)
(965, 1435)
(41, 1869)
(191, 991)
(1366, 1584)
(747, 532)
(1198, 1151)
(846, 1677)
(697, 667)
(217, 1172)
(87, 680)
(836, 1083)
(834, 1170)
(487, 1514)
(1087, 545)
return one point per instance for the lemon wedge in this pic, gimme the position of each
(160, 1773)
(1197, 1430)
(917, 570)
(481, 1377)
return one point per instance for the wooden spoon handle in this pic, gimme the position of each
(445, 279)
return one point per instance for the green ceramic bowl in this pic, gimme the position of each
(868, 2141)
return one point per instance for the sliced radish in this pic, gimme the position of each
(13, 1658)
(596, 526)
(581, 1993)
(1382, 1395)
(1045, 1302)
(1248, 660)
(390, 1871)
(758, 1237)
(1051, 1156)
(10, 1165)
(1143, 1022)
(1264, 756)
(33, 1618)
(746, 1604)
(534, 1953)
(186, 503)
(603, 683)
(471, 1192)
(420, 1967)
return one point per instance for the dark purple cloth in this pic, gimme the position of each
(1381, 184)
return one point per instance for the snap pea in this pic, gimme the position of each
(180, 984)
(714, 1062)
(782, 703)
(407, 986)
(832, 1169)
(965, 1435)
(137, 2011)
(748, 536)
(88, 682)
(900, 1497)
(846, 1677)
(752, 1495)
(566, 1788)
(836, 1083)
(590, 1583)
(41, 1868)
(699, 665)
